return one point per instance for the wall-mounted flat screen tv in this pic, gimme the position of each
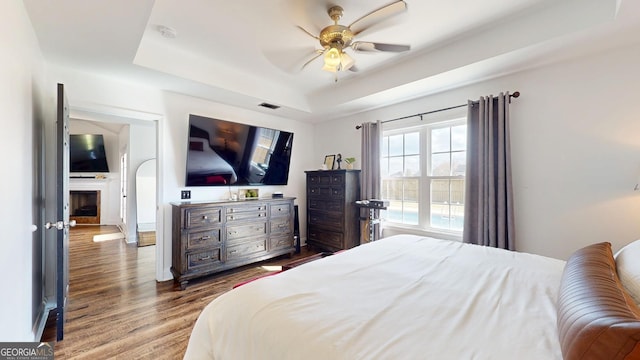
(224, 153)
(87, 153)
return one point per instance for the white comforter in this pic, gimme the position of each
(403, 297)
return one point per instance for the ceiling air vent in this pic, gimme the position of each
(269, 106)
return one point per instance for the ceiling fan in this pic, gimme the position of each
(336, 38)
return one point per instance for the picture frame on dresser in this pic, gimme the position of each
(329, 162)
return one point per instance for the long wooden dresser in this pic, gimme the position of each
(332, 217)
(209, 237)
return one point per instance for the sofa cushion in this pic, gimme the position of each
(597, 319)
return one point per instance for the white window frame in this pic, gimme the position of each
(424, 191)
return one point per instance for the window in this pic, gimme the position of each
(423, 174)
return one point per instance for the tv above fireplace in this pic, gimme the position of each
(87, 153)
(224, 153)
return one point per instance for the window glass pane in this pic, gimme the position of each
(440, 204)
(395, 166)
(412, 143)
(384, 167)
(440, 140)
(396, 145)
(410, 213)
(457, 192)
(440, 165)
(459, 163)
(412, 165)
(411, 190)
(385, 146)
(459, 137)
(403, 200)
(457, 217)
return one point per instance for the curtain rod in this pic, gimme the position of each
(516, 94)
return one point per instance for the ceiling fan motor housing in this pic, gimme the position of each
(335, 34)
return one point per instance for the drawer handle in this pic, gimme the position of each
(205, 258)
(230, 210)
(232, 232)
(233, 251)
(205, 237)
(282, 225)
(314, 219)
(312, 234)
(231, 217)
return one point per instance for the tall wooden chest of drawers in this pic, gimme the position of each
(209, 237)
(332, 217)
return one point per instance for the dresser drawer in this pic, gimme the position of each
(200, 260)
(280, 242)
(329, 238)
(258, 206)
(337, 179)
(246, 249)
(200, 239)
(281, 226)
(202, 217)
(238, 216)
(326, 205)
(280, 209)
(326, 219)
(246, 230)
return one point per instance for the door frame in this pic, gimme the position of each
(103, 113)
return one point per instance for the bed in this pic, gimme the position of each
(410, 297)
(205, 166)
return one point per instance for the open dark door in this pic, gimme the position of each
(61, 225)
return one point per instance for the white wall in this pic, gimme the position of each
(575, 148)
(21, 72)
(142, 147)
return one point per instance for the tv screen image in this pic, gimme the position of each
(87, 153)
(224, 153)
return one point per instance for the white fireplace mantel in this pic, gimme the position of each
(109, 198)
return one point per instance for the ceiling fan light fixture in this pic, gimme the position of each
(332, 57)
(328, 68)
(346, 61)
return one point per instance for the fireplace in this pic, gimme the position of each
(84, 206)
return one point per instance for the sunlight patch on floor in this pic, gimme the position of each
(271, 268)
(107, 237)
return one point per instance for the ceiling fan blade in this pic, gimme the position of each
(307, 32)
(318, 53)
(366, 46)
(376, 16)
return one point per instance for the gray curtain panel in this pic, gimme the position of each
(488, 208)
(370, 168)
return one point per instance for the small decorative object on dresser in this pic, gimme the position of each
(248, 194)
(332, 217)
(210, 237)
(329, 162)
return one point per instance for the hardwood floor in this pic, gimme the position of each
(117, 309)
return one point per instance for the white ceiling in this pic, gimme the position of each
(246, 52)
